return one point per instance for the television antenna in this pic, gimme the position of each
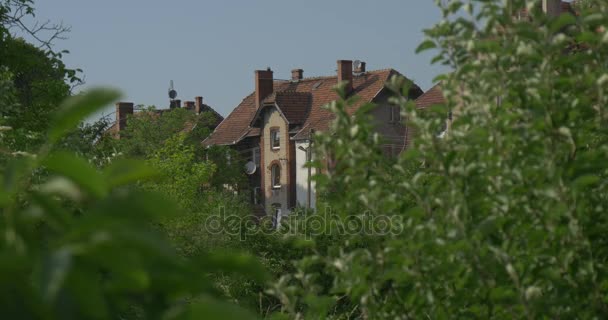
(172, 92)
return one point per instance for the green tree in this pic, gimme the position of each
(40, 78)
(504, 217)
(147, 131)
(183, 176)
(82, 243)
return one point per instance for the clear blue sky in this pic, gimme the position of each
(211, 48)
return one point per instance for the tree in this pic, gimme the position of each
(503, 218)
(12, 14)
(40, 79)
(82, 243)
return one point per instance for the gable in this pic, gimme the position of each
(320, 92)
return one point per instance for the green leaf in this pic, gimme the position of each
(563, 21)
(586, 180)
(77, 108)
(125, 171)
(79, 171)
(426, 45)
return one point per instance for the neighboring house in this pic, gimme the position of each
(126, 109)
(552, 8)
(273, 126)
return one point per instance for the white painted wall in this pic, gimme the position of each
(302, 177)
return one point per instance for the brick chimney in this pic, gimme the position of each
(175, 104)
(297, 74)
(360, 68)
(123, 110)
(345, 73)
(553, 8)
(189, 105)
(264, 83)
(198, 105)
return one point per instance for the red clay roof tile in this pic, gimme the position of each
(320, 89)
(431, 97)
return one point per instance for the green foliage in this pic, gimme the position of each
(504, 217)
(39, 84)
(229, 173)
(148, 129)
(182, 175)
(83, 243)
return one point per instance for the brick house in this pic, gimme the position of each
(272, 128)
(126, 109)
(552, 8)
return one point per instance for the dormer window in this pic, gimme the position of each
(275, 139)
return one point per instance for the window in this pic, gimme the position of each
(275, 139)
(443, 131)
(276, 208)
(256, 156)
(256, 196)
(228, 157)
(276, 176)
(395, 115)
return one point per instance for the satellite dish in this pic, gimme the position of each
(250, 167)
(356, 64)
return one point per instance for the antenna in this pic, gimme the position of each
(172, 92)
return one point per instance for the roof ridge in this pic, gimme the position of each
(292, 91)
(335, 76)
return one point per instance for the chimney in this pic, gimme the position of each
(123, 109)
(189, 105)
(263, 85)
(198, 105)
(360, 68)
(345, 73)
(175, 104)
(553, 8)
(297, 74)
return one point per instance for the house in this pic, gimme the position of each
(552, 8)
(126, 109)
(273, 126)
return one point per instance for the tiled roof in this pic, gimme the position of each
(433, 96)
(292, 104)
(113, 129)
(565, 7)
(320, 89)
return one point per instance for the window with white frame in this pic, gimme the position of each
(275, 176)
(275, 139)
